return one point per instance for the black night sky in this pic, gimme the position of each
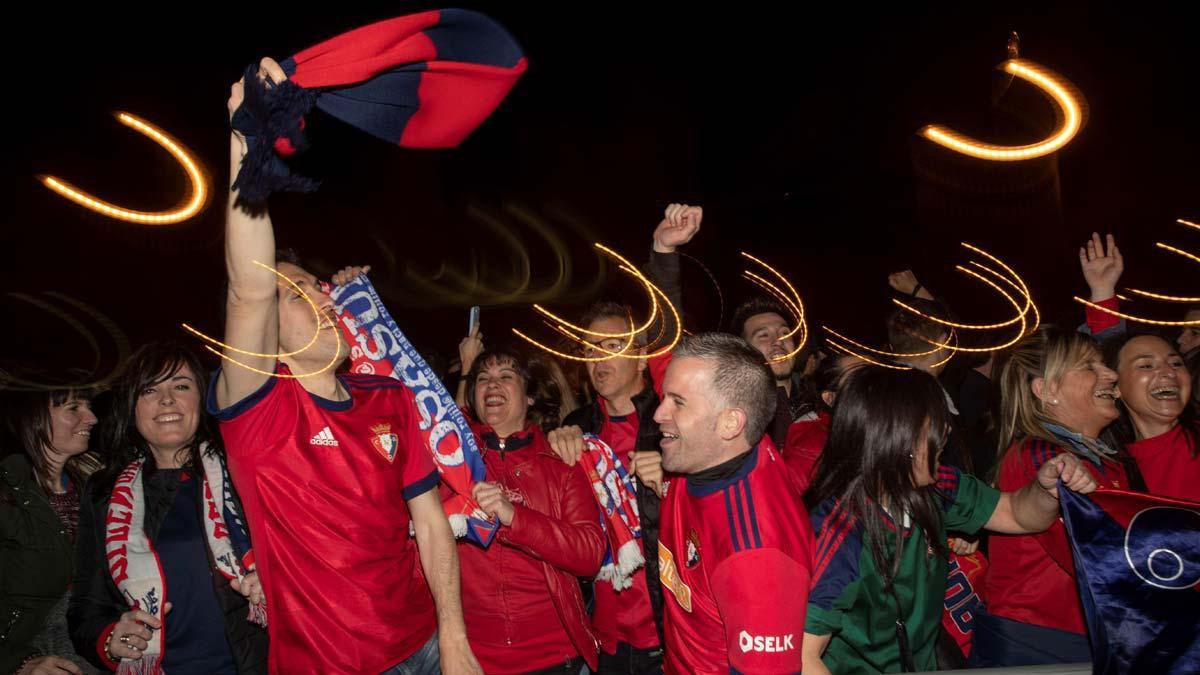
(796, 132)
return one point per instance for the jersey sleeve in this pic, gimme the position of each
(419, 474)
(836, 575)
(253, 418)
(968, 502)
(1098, 322)
(762, 634)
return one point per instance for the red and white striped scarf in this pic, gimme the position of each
(135, 566)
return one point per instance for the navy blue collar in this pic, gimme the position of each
(721, 476)
(330, 404)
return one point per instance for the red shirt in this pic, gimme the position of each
(802, 450)
(324, 484)
(735, 559)
(1031, 577)
(623, 616)
(1169, 464)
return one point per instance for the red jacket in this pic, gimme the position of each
(802, 451)
(557, 528)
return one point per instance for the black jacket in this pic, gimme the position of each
(95, 601)
(591, 418)
(663, 270)
(35, 561)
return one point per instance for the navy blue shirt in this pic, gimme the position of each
(195, 627)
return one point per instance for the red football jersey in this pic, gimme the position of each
(735, 559)
(1031, 577)
(1169, 464)
(324, 485)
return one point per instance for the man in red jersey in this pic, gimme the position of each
(331, 470)
(735, 548)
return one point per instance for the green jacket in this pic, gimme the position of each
(36, 560)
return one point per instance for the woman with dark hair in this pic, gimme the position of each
(40, 480)
(521, 599)
(880, 504)
(1157, 423)
(1157, 427)
(163, 573)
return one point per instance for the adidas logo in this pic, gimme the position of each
(324, 437)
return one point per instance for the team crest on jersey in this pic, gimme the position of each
(693, 549)
(385, 441)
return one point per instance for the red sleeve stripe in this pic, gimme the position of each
(840, 525)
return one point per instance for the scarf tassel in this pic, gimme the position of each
(271, 118)
(149, 664)
(258, 615)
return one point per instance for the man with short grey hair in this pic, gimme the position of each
(735, 537)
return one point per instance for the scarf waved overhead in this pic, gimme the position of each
(134, 564)
(379, 348)
(426, 80)
(617, 497)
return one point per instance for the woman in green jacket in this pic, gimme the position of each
(45, 463)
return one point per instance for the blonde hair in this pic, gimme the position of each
(1047, 354)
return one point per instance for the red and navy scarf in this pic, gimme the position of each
(425, 80)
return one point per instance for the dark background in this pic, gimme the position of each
(795, 131)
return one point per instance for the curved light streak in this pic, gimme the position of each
(1156, 296)
(653, 291)
(292, 376)
(1130, 317)
(1164, 298)
(850, 352)
(188, 208)
(953, 345)
(13, 382)
(316, 314)
(790, 300)
(1069, 102)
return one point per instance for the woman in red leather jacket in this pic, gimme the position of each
(521, 598)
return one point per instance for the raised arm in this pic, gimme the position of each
(251, 304)
(1102, 270)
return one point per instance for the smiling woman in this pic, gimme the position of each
(521, 597)
(160, 528)
(1056, 397)
(46, 462)
(1157, 426)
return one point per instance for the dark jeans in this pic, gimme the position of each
(425, 661)
(573, 666)
(631, 661)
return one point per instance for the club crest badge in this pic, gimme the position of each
(385, 441)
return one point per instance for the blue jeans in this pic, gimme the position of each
(425, 661)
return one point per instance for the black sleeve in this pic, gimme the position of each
(663, 271)
(94, 601)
